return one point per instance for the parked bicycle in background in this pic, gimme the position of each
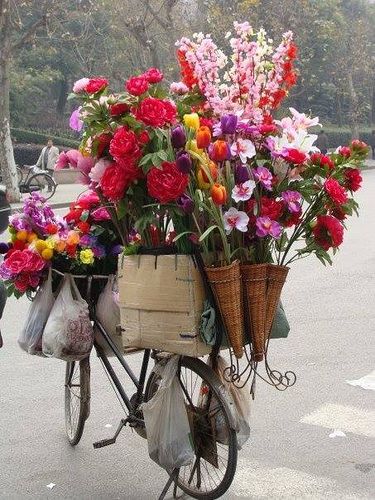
(31, 179)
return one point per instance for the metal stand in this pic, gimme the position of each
(172, 478)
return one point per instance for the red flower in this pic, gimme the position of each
(322, 160)
(84, 227)
(271, 208)
(118, 109)
(153, 75)
(338, 212)
(137, 85)
(74, 215)
(114, 182)
(96, 84)
(353, 179)
(152, 112)
(124, 145)
(170, 111)
(336, 192)
(345, 151)
(51, 228)
(267, 128)
(130, 170)
(357, 145)
(290, 79)
(328, 232)
(144, 137)
(187, 71)
(292, 51)
(278, 96)
(166, 183)
(292, 219)
(103, 143)
(19, 245)
(24, 261)
(294, 156)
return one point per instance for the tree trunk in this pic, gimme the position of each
(353, 107)
(63, 95)
(373, 105)
(7, 163)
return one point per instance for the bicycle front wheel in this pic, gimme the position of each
(77, 398)
(42, 183)
(214, 437)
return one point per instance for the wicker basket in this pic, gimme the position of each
(254, 279)
(225, 282)
(276, 279)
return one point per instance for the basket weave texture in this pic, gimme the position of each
(276, 279)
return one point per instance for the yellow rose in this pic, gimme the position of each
(191, 120)
(86, 256)
(47, 254)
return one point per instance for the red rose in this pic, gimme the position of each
(170, 111)
(328, 232)
(137, 85)
(152, 112)
(166, 183)
(22, 283)
(34, 262)
(114, 182)
(124, 145)
(353, 179)
(271, 208)
(336, 192)
(118, 109)
(96, 84)
(294, 156)
(16, 261)
(153, 75)
(345, 151)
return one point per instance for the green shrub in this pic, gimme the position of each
(33, 137)
(342, 137)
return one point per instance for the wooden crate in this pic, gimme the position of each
(161, 302)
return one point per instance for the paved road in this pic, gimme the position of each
(290, 455)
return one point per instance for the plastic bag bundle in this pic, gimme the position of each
(30, 338)
(68, 334)
(108, 313)
(166, 420)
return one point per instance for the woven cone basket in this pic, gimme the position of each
(225, 283)
(276, 279)
(254, 279)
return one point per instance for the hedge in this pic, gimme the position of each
(28, 154)
(341, 137)
(33, 137)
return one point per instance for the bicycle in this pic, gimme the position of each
(32, 179)
(212, 472)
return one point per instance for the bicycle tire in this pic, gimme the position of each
(210, 380)
(41, 181)
(19, 175)
(77, 400)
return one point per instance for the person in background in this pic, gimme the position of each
(322, 142)
(48, 157)
(372, 143)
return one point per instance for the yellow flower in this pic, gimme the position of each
(86, 256)
(32, 237)
(51, 243)
(191, 120)
(192, 147)
(40, 245)
(47, 254)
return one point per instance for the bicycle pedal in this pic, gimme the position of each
(104, 442)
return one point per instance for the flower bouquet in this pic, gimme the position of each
(207, 165)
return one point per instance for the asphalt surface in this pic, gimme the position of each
(289, 454)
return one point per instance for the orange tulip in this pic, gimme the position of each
(213, 171)
(218, 194)
(203, 137)
(220, 150)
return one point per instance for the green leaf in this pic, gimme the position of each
(181, 235)
(207, 232)
(121, 209)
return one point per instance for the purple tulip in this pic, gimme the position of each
(186, 204)
(241, 173)
(228, 124)
(183, 162)
(178, 137)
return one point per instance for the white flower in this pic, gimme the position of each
(303, 121)
(235, 219)
(243, 192)
(243, 148)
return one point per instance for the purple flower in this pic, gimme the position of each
(178, 137)
(116, 250)
(265, 226)
(75, 122)
(98, 251)
(186, 204)
(293, 201)
(241, 173)
(4, 247)
(88, 241)
(264, 177)
(228, 124)
(183, 162)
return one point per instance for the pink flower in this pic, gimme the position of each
(153, 75)
(265, 226)
(179, 88)
(293, 200)
(243, 192)
(75, 123)
(73, 155)
(100, 214)
(98, 170)
(243, 148)
(264, 177)
(62, 161)
(235, 219)
(80, 85)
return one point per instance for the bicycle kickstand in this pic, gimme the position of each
(172, 478)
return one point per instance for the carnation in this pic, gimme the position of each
(336, 192)
(353, 179)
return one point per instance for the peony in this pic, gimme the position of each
(114, 182)
(153, 75)
(124, 145)
(152, 112)
(294, 156)
(88, 199)
(353, 179)
(167, 183)
(118, 109)
(170, 111)
(328, 232)
(336, 192)
(80, 85)
(137, 85)
(96, 85)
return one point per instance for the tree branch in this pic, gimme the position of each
(26, 37)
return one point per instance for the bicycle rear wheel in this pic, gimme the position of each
(77, 398)
(214, 436)
(43, 183)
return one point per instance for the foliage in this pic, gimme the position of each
(40, 137)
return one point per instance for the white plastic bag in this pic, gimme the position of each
(166, 420)
(30, 338)
(108, 313)
(68, 334)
